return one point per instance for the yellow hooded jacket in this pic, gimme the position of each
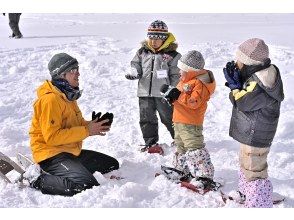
(57, 124)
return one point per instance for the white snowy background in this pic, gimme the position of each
(104, 44)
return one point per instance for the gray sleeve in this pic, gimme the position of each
(136, 62)
(173, 72)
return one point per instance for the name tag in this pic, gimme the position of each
(161, 74)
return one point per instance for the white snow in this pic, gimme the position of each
(104, 44)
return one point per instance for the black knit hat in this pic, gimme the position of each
(157, 30)
(61, 63)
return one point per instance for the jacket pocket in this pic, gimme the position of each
(242, 123)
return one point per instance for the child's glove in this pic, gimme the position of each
(133, 75)
(170, 93)
(233, 76)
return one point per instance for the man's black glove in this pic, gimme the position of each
(170, 93)
(94, 115)
(108, 116)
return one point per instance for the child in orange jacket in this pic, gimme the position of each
(190, 99)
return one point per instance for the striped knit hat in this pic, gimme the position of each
(191, 61)
(157, 30)
(252, 52)
(60, 63)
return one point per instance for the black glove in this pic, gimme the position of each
(94, 116)
(170, 93)
(3, 14)
(108, 116)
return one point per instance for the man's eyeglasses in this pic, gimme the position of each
(75, 70)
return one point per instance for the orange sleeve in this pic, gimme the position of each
(192, 99)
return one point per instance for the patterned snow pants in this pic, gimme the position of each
(253, 177)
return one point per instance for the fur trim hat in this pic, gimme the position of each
(252, 52)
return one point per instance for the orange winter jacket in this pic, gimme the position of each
(196, 88)
(57, 124)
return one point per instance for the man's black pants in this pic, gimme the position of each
(69, 174)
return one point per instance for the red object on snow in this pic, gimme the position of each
(193, 188)
(156, 149)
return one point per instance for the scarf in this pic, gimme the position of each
(71, 93)
(247, 71)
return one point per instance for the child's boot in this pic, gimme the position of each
(259, 194)
(200, 166)
(242, 182)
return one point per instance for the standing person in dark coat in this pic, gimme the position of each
(256, 95)
(13, 23)
(155, 64)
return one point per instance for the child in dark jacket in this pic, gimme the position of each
(155, 64)
(256, 95)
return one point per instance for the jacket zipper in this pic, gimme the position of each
(152, 66)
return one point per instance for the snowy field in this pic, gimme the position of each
(104, 44)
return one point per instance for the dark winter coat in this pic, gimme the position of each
(147, 62)
(256, 108)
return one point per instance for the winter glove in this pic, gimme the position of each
(94, 116)
(133, 75)
(170, 93)
(108, 116)
(3, 14)
(233, 76)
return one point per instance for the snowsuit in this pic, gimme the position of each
(13, 23)
(56, 136)
(255, 115)
(148, 63)
(196, 89)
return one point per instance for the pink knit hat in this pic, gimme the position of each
(252, 52)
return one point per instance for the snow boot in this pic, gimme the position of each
(199, 163)
(153, 149)
(175, 175)
(242, 182)
(32, 173)
(180, 162)
(259, 194)
(205, 183)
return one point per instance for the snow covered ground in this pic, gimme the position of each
(104, 44)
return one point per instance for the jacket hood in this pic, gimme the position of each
(192, 74)
(47, 88)
(168, 45)
(270, 81)
(205, 76)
